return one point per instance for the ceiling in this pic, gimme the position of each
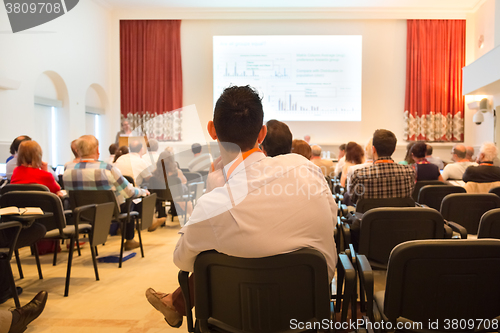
(462, 5)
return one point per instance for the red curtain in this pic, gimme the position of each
(434, 104)
(151, 76)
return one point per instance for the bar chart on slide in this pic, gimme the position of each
(300, 78)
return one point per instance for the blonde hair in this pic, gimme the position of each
(86, 145)
(29, 154)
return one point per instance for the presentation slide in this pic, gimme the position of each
(300, 78)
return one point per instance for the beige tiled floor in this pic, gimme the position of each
(116, 303)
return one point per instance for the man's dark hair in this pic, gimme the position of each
(14, 147)
(196, 148)
(113, 148)
(278, 140)
(135, 146)
(238, 117)
(342, 147)
(428, 152)
(384, 142)
(419, 149)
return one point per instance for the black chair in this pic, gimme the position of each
(363, 205)
(193, 177)
(6, 253)
(433, 195)
(489, 226)
(495, 190)
(23, 187)
(422, 183)
(146, 216)
(88, 197)
(467, 209)
(56, 224)
(257, 294)
(130, 180)
(439, 280)
(27, 187)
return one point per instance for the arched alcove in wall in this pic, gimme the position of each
(96, 103)
(51, 117)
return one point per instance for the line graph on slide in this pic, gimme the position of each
(298, 77)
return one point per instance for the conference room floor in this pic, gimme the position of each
(116, 303)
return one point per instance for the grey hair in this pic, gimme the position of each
(489, 150)
(316, 150)
(86, 145)
(369, 150)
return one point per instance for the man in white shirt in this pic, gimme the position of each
(151, 157)
(133, 165)
(455, 171)
(256, 206)
(325, 165)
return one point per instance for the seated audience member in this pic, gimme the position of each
(384, 179)
(123, 150)
(12, 164)
(340, 160)
(408, 157)
(132, 164)
(368, 162)
(75, 153)
(16, 320)
(354, 155)
(249, 232)
(425, 169)
(455, 171)
(432, 159)
(469, 154)
(278, 140)
(326, 165)
(302, 148)
(307, 138)
(151, 157)
(31, 169)
(485, 172)
(112, 151)
(12, 152)
(200, 162)
(92, 174)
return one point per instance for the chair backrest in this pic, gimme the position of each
(422, 183)
(147, 211)
(363, 205)
(443, 279)
(130, 180)
(23, 187)
(101, 222)
(473, 187)
(196, 190)
(432, 195)
(466, 209)
(48, 202)
(495, 190)
(489, 226)
(261, 294)
(193, 177)
(87, 197)
(384, 228)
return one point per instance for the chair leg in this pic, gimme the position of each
(19, 267)
(78, 248)
(34, 248)
(340, 284)
(54, 261)
(124, 229)
(93, 250)
(12, 284)
(70, 261)
(140, 241)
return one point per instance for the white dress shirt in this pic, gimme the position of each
(455, 170)
(134, 166)
(268, 206)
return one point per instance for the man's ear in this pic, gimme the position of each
(211, 130)
(262, 134)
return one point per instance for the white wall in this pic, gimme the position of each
(75, 45)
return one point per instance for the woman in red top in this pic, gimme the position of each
(31, 170)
